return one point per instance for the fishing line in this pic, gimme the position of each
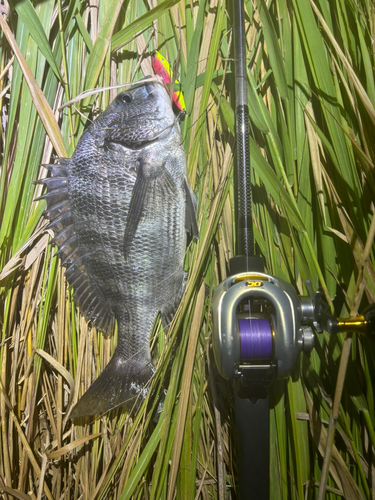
(256, 339)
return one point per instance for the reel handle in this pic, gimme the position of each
(363, 324)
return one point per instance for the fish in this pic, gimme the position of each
(120, 209)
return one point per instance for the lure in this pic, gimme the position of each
(162, 68)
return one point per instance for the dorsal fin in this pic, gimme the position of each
(87, 293)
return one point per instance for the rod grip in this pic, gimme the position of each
(252, 430)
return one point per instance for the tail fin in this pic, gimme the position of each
(122, 383)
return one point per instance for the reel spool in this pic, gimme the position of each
(256, 337)
(258, 328)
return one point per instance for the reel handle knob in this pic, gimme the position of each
(369, 315)
(363, 324)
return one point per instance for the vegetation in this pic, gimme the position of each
(312, 109)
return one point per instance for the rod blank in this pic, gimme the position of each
(245, 237)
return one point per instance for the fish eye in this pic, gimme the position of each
(124, 98)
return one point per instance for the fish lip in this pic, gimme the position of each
(156, 87)
(151, 83)
(135, 146)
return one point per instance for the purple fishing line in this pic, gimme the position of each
(256, 338)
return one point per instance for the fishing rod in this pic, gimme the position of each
(260, 323)
(251, 398)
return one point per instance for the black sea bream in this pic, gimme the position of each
(120, 208)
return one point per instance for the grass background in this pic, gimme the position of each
(311, 98)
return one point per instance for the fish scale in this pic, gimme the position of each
(126, 207)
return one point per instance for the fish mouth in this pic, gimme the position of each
(135, 146)
(155, 86)
(152, 84)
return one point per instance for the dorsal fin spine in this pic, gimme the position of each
(86, 291)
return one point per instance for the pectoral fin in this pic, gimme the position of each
(136, 209)
(149, 176)
(191, 224)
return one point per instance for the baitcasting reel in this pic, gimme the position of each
(261, 325)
